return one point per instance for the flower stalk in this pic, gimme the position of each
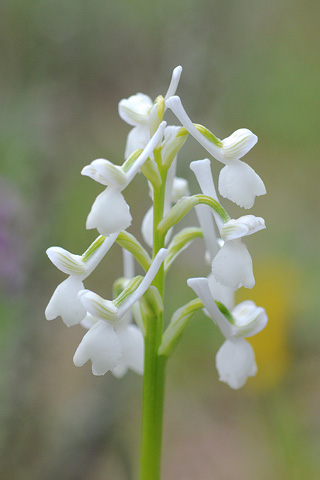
(155, 364)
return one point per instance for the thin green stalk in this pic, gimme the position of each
(154, 366)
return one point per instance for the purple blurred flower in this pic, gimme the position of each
(13, 252)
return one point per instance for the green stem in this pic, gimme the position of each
(154, 365)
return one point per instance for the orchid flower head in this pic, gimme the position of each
(238, 182)
(64, 301)
(145, 115)
(109, 344)
(235, 360)
(244, 320)
(110, 212)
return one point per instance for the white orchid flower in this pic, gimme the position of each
(111, 348)
(64, 301)
(232, 264)
(110, 212)
(235, 360)
(237, 181)
(106, 342)
(143, 114)
(128, 336)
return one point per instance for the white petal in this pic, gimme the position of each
(100, 345)
(147, 227)
(249, 319)
(132, 347)
(235, 362)
(66, 262)
(109, 213)
(221, 293)
(98, 307)
(232, 266)
(137, 139)
(238, 144)
(135, 109)
(239, 183)
(65, 302)
(240, 227)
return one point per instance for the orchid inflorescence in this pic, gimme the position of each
(112, 341)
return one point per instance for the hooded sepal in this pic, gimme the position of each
(248, 319)
(106, 173)
(66, 262)
(241, 227)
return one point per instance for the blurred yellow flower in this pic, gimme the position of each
(276, 290)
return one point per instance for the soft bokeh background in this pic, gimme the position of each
(65, 64)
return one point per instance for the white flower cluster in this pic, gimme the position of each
(112, 342)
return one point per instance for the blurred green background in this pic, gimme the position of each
(65, 64)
